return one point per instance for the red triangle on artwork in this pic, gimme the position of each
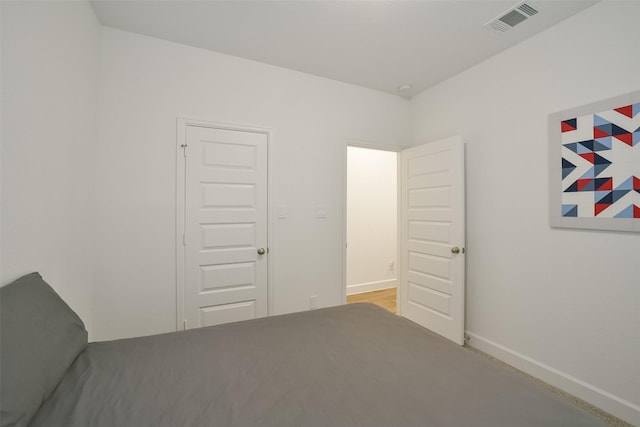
(598, 133)
(608, 185)
(588, 156)
(627, 111)
(627, 138)
(636, 211)
(636, 183)
(566, 127)
(599, 207)
(583, 183)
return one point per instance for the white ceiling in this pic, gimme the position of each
(375, 44)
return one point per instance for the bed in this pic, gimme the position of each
(352, 365)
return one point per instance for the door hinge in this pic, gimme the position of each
(184, 149)
(184, 324)
(184, 239)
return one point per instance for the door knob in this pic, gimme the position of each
(261, 251)
(455, 250)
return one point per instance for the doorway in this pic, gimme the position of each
(430, 260)
(372, 226)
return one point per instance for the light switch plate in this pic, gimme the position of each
(320, 211)
(282, 211)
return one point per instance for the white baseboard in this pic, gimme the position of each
(371, 286)
(602, 399)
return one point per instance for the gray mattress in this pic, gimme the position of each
(354, 365)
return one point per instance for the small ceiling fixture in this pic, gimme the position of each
(405, 88)
(511, 17)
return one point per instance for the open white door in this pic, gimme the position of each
(432, 237)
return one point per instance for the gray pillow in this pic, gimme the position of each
(40, 336)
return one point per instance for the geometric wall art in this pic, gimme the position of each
(594, 173)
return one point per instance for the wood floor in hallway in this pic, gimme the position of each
(385, 298)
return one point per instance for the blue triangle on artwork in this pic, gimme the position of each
(602, 144)
(636, 137)
(570, 210)
(567, 171)
(599, 160)
(626, 212)
(572, 188)
(567, 167)
(605, 140)
(599, 121)
(635, 109)
(618, 194)
(607, 199)
(600, 168)
(627, 185)
(599, 195)
(582, 149)
(589, 174)
(588, 144)
(572, 146)
(617, 130)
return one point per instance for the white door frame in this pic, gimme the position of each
(394, 148)
(181, 133)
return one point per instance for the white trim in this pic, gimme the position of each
(181, 126)
(400, 246)
(271, 217)
(375, 146)
(360, 288)
(602, 399)
(181, 168)
(343, 275)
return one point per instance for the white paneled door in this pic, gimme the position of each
(432, 237)
(225, 224)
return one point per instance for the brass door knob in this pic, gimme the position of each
(261, 251)
(455, 250)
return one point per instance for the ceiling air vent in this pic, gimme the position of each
(511, 17)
